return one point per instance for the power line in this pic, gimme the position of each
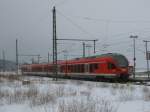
(140, 50)
(61, 3)
(94, 40)
(117, 36)
(106, 20)
(127, 33)
(75, 24)
(110, 20)
(79, 39)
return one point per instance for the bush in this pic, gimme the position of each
(125, 95)
(60, 91)
(146, 94)
(42, 99)
(80, 105)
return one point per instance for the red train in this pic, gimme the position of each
(111, 65)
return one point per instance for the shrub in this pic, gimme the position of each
(80, 105)
(60, 90)
(125, 95)
(146, 93)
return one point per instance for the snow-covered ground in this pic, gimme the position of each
(34, 94)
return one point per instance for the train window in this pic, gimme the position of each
(78, 68)
(111, 66)
(75, 68)
(61, 68)
(82, 68)
(93, 67)
(68, 67)
(71, 68)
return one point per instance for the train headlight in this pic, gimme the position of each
(123, 70)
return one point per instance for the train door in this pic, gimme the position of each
(58, 68)
(111, 67)
(86, 68)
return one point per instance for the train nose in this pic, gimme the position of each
(124, 70)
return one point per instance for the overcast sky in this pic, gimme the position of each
(109, 21)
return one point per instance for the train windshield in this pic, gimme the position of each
(121, 61)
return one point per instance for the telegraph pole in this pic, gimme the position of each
(48, 58)
(83, 49)
(32, 60)
(147, 58)
(47, 63)
(88, 46)
(55, 72)
(65, 58)
(17, 66)
(38, 58)
(134, 59)
(4, 63)
(94, 46)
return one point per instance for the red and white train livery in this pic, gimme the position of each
(111, 65)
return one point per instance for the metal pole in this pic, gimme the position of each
(147, 60)
(134, 59)
(4, 61)
(38, 59)
(48, 58)
(17, 65)
(147, 56)
(134, 56)
(32, 60)
(65, 58)
(94, 46)
(88, 46)
(47, 63)
(54, 44)
(82, 40)
(83, 49)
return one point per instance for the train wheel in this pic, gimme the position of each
(124, 78)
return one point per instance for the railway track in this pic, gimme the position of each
(135, 81)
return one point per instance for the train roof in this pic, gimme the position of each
(105, 55)
(119, 58)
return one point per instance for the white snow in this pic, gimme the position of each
(46, 95)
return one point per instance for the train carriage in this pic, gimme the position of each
(106, 65)
(111, 65)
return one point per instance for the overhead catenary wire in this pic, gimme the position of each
(110, 20)
(105, 20)
(61, 3)
(75, 24)
(115, 21)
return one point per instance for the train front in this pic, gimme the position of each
(123, 66)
